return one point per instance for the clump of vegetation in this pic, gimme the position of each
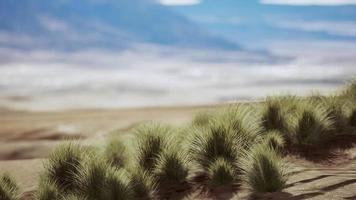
(47, 190)
(221, 172)
(242, 121)
(336, 112)
(202, 118)
(231, 145)
(9, 190)
(264, 170)
(312, 125)
(91, 178)
(117, 185)
(116, 152)
(63, 164)
(142, 184)
(274, 140)
(151, 139)
(350, 90)
(213, 142)
(352, 118)
(172, 167)
(274, 116)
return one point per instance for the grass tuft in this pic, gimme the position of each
(91, 178)
(221, 173)
(47, 190)
(142, 184)
(117, 185)
(202, 118)
(151, 140)
(73, 197)
(274, 117)
(171, 167)
(9, 190)
(263, 170)
(274, 140)
(312, 125)
(63, 165)
(213, 142)
(116, 152)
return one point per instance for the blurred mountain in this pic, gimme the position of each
(117, 24)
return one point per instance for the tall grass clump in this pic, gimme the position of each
(242, 121)
(202, 118)
(352, 118)
(336, 109)
(172, 167)
(274, 140)
(221, 172)
(151, 141)
(311, 125)
(350, 90)
(9, 190)
(63, 165)
(264, 170)
(91, 179)
(116, 152)
(274, 116)
(143, 184)
(117, 186)
(213, 142)
(47, 190)
(73, 197)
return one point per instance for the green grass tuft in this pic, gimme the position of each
(91, 178)
(142, 184)
(47, 190)
(172, 167)
(9, 190)
(73, 197)
(263, 170)
(213, 142)
(274, 117)
(117, 186)
(274, 140)
(312, 126)
(151, 140)
(202, 118)
(116, 152)
(63, 165)
(221, 173)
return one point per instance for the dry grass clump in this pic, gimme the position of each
(213, 142)
(264, 170)
(311, 125)
(73, 197)
(274, 140)
(91, 178)
(202, 118)
(151, 141)
(9, 190)
(274, 116)
(336, 109)
(143, 184)
(221, 172)
(116, 152)
(63, 164)
(117, 185)
(47, 190)
(350, 90)
(172, 167)
(242, 121)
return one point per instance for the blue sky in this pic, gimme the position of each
(255, 23)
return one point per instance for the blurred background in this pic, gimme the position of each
(64, 54)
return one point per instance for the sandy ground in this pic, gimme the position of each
(26, 138)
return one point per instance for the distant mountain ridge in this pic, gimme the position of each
(117, 24)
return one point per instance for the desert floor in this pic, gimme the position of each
(26, 138)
